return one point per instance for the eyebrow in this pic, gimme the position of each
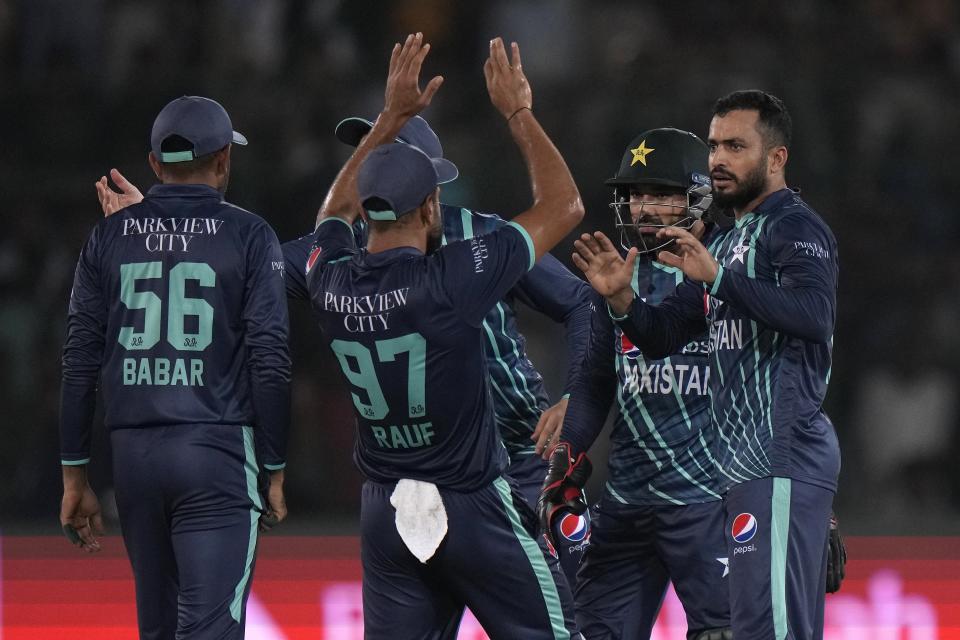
(727, 141)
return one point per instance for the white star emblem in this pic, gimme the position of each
(726, 566)
(739, 253)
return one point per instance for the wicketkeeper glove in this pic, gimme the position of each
(563, 487)
(836, 557)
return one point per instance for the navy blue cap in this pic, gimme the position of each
(416, 132)
(201, 121)
(399, 174)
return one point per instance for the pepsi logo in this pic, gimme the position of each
(573, 527)
(744, 528)
(313, 258)
(626, 347)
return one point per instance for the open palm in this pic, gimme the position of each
(112, 201)
(601, 263)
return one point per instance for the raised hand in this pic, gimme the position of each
(507, 85)
(403, 96)
(112, 201)
(608, 273)
(689, 255)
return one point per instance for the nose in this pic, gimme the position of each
(716, 158)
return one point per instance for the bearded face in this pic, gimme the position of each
(732, 191)
(739, 159)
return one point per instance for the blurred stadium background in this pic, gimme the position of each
(873, 86)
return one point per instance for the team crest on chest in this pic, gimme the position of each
(739, 253)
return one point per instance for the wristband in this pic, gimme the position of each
(518, 111)
(615, 317)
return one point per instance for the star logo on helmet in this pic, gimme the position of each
(640, 154)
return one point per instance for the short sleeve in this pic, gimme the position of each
(475, 274)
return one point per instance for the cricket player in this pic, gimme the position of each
(178, 311)
(441, 527)
(660, 517)
(524, 418)
(767, 287)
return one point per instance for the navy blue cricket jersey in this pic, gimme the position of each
(519, 396)
(770, 313)
(407, 331)
(178, 307)
(661, 438)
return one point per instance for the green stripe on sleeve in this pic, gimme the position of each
(250, 470)
(74, 463)
(779, 537)
(466, 219)
(338, 218)
(614, 316)
(716, 282)
(526, 236)
(547, 586)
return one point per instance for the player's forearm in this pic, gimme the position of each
(803, 312)
(578, 333)
(587, 410)
(557, 208)
(271, 401)
(343, 199)
(77, 403)
(269, 362)
(82, 354)
(593, 386)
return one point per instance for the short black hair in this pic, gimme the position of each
(775, 123)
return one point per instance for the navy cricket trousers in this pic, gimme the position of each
(488, 561)
(777, 532)
(189, 508)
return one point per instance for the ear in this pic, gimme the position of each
(155, 165)
(223, 161)
(430, 208)
(426, 213)
(777, 159)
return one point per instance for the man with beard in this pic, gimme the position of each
(767, 287)
(524, 418)
(441, 527)
(660, 517)
(178, 310)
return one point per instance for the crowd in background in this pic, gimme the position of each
(873, 87)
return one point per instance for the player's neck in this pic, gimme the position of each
(201, 178)
(379, 242)
(772, 187)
